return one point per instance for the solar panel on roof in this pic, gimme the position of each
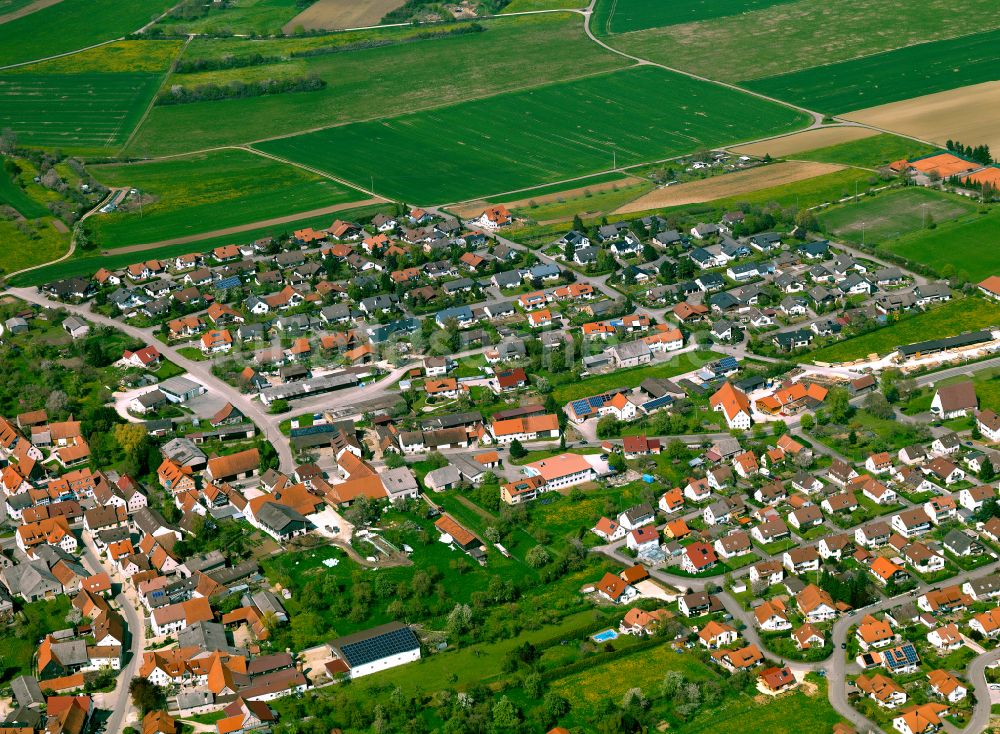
(380, 647)
(232, 282)
(657, 403)
(312, 430)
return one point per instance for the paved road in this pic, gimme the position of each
(200, 371)
(123, 708)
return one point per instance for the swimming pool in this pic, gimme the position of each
(605, 636)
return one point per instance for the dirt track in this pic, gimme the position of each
(334, 14)
(805, 140)
(966, 114)
(247, 227)
(27, 10)
(730, 184)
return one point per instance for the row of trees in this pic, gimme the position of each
(979, 153)
(179, 94)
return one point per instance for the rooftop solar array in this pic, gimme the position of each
(657, 403)
(380, 646)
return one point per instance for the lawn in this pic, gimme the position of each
(373, 82)
(538, 136)
(789, 713)
(872, 152)
(632, 377)
(623, 16)
(89, 263)
(965, 247)
(71, 25)
(949, 319)
(209, 191)
(90, 112)
(801, 34)
(41, 618)
(892, 214)
(892, 76)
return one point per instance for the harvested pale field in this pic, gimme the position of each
(328, 15)
(806, 140)
(966, 113)
(474, 208)
(728, 185)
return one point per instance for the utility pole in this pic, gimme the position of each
(614, 159)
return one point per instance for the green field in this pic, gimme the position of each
(513, 53)
(13, 195)
(252, 17)
(872, 152)
(633, 376)
(892, 214)
(208, 192)
(623, 16)
(967, 246)
(90, 263)
(537, 136)
(799, 35)
(71, 25)
(949, 319)
(90, 111)
(888, 77)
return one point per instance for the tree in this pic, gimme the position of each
(838, 405)
(555, 706)
(517, 450)
(877, 405)
(986, 471)
(538, 557)
(56, 403)
(130, 436)
(146, 695)
(807, 422)
(460, 619)
(672, 683)
(504, 714)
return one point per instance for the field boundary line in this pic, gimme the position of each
(317, 171)
(96, 45)
(588, 14)
(873, 54)
(152, 99)
(413, 110)
(63, 54)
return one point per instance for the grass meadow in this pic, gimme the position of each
(207, 192)
(871, 152)
(597, 202)
(786, 37)
(948, 319)
(892, 214)
(537, 136)
(42, 243)
(891, 76)
(967, 246)
(512, 53)
(88, 112)
(71, 25)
